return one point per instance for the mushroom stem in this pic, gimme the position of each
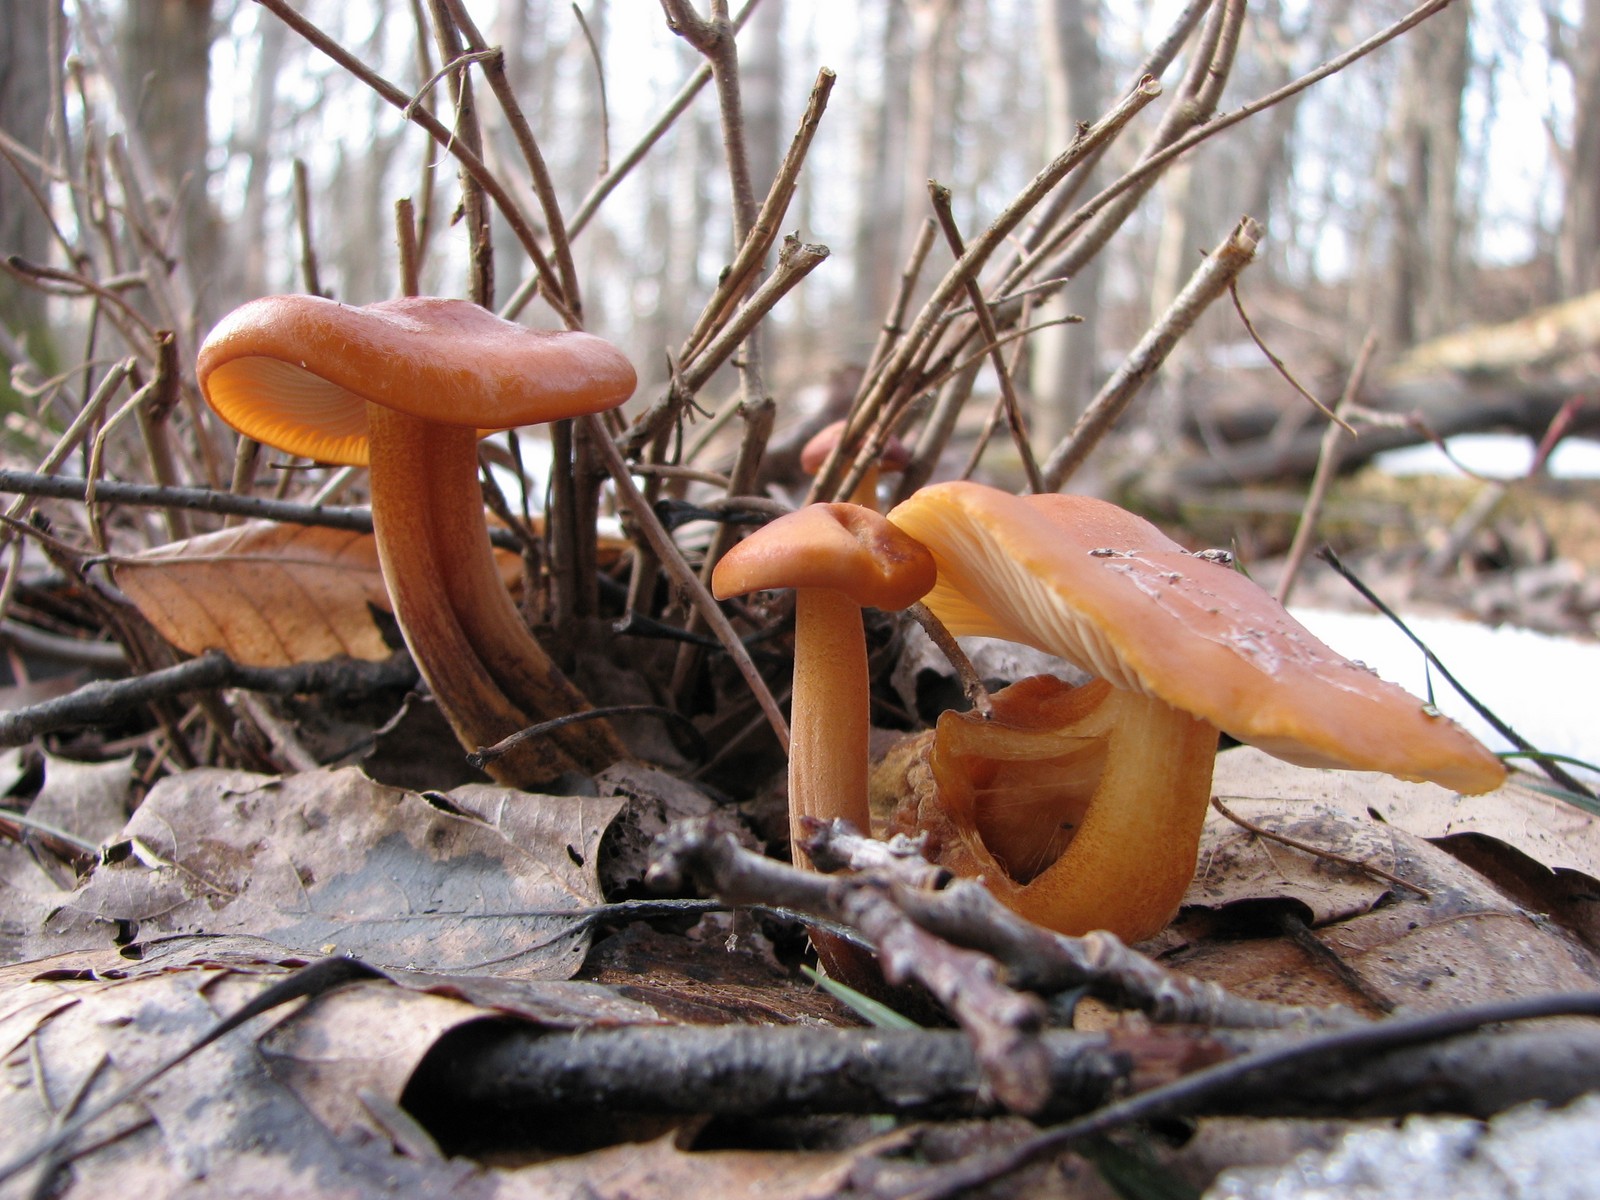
(489, 674)
(829, 720)
(865, 493)
(1081, 807)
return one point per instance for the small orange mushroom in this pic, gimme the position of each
(839, 558)
(407, 387)
(1183, 646)
(896, 456)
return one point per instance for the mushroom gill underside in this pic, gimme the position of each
(1079, 807)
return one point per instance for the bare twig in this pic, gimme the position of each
(916, 343)
(748, 263)
(1327, 468)
(515, 218)
(493, 65)
(991, 337)
(1302, 1058)
(1218, 270)
(683, 576)
(972, 685)
(103, 701)
(1279, 365)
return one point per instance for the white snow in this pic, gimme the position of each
(1544, 687)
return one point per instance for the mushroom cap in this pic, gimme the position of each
(895, 457)
(297, 372)
(1111, 593)
(843, 547)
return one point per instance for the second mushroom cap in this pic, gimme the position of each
(1111, 593)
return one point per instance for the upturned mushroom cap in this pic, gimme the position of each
(842, 547)
(297, 372)
(1111, 593)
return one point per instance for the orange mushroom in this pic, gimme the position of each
(407, 387)
(896, 456)
(839, 558)
(1120, 769)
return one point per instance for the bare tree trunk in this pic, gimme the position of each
(26, 88)
(247, 263)
(878, 250)
(164, 55)
(930, 114)
(1425, 260)
(1578, 243)
(1062, 374)
(761, 76)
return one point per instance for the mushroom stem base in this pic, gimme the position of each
(1080, 808)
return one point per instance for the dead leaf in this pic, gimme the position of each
(219, 1124)
(268, 594)
(88, 800)
(366, 1039)
(1369, 944)
(1235, 865)
(328, 861)
(1547, 829)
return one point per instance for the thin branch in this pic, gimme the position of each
(441, 134)
(916, 343)
(493, 65)
(104, 701)
(1327, 468)
(991, 337)
(683, 576)
(1215, 274)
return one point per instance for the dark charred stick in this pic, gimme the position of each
(744, 1071)
(102, 701)
(144, 495)
(514, 1074)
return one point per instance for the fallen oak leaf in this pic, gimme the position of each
(268, 594)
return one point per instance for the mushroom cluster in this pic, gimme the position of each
(407, 387)
(1118, 772)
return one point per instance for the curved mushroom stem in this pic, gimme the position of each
(1081, 808)
(489, 674)
(829, 714)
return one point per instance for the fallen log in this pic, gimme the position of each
(1444, 406)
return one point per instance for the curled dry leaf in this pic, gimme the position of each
(267, 594)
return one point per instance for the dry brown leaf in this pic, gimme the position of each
(1367, 943)
(1542, 827)
(90, 800)
(326, 861)
(284, 1107)
(220, 1124)
(266, 594)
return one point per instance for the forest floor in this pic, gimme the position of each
(434, 984)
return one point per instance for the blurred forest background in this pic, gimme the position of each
(1449, 180)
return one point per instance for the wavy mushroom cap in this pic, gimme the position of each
(297, 372)
(1111, 593)
(843, 547)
